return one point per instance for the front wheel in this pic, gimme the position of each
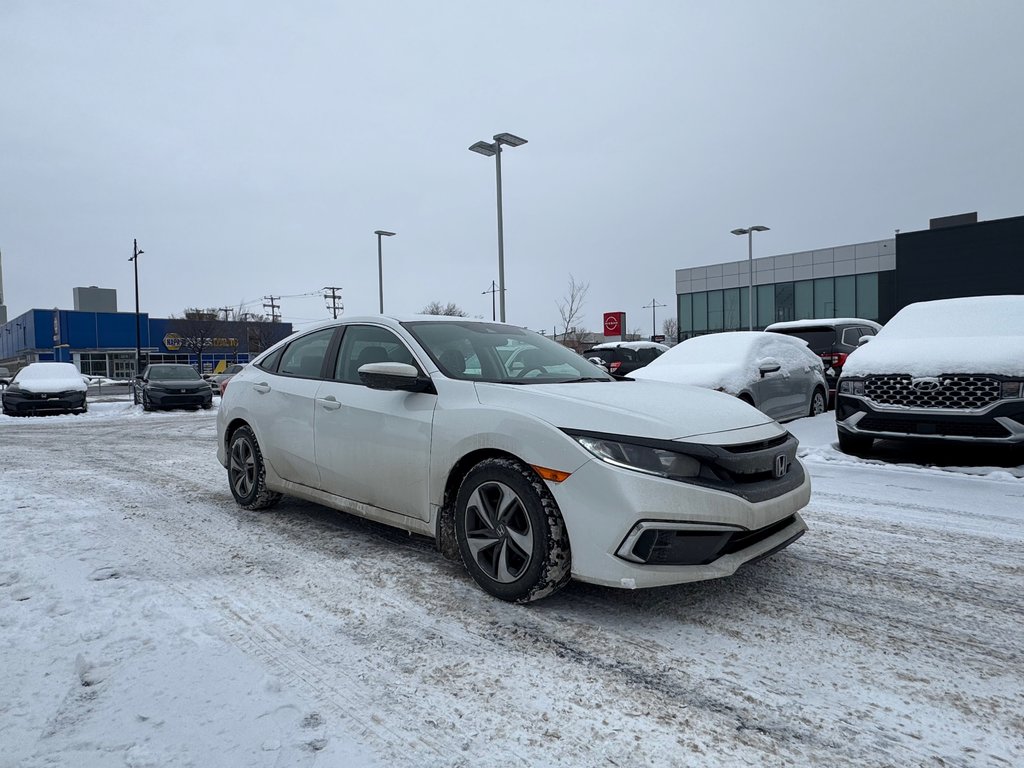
(247, 474)
(510, 532)
(818, 403)
(146, 404)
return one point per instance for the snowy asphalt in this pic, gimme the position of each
(145, 620)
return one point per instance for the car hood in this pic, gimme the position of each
(638, 408)
(52, 385)
(1000, 355)
(727, 376)
(179, 384)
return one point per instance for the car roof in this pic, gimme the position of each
(822, 322)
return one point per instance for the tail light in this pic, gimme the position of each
(614, 366)
(834, 358)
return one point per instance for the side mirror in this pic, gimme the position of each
(768, 365)
(394, 376)
(139, 377)
(864, 340)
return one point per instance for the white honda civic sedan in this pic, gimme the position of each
(517, 455)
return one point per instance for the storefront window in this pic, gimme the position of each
(715, 317)
(824, 297)
(784, 301)
(846, 293)
(867, 296)
(803, 293)
(744, 308)
(765, 309)
(685, 313)
(731, 308)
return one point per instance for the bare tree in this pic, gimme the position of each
(670, 327)
(450, 309)
(571, 311)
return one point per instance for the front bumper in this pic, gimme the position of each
(606, 507)
(998, 424)
(32, 402)
(178, 399)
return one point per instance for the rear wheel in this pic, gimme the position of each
(247, 472)
(510, 532)
(818, 403)
(855, 445)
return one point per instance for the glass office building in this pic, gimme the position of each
(846, 281)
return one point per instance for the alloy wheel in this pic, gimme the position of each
(498, 532)
(242, 468)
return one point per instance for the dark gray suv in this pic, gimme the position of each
(832, 339)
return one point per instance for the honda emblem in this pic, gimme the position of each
(780, 465)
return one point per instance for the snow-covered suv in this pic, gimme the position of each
(939, 370)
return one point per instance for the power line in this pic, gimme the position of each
(270, 302)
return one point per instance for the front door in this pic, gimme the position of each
(373, 446)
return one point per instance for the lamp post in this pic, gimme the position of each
(138, 325)
(749, 232)
(489, 149)
(380, 264)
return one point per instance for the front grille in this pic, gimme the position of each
(952, 392)
(758, 446)
(926, 428)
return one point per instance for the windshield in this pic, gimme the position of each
(499, 353)
(173, 373)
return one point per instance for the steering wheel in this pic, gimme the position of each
(522, 373)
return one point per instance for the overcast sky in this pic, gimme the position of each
(254, 147)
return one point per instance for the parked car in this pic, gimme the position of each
(531, 465)
(217, 379)
(41, 388)
(940, 370)
(777, 374)
(833, 339)
(621, 358)
(171, 385)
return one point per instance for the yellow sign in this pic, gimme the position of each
(173, 342)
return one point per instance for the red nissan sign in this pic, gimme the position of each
(614, 322)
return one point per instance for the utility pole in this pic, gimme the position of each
(334, 297)
(227, 312)
(653, 306)
(271, 304)
(494, 290)
(138, 324)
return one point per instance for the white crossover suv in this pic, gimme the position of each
(517, 455)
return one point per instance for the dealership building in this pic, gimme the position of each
(956, 256)
(101, 341)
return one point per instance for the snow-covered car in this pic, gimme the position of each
(832, 339)
(777, 374)
(41, 388)
(171, 385)
(939, 370)
(621, 358)
(531, 476)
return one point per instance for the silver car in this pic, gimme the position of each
(779, 375)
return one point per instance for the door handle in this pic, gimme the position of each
(329, 403)
(262, 387)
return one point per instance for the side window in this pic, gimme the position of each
(304, 357)
(271, 362)
(364, 344)
(851, 335)
(647, 354)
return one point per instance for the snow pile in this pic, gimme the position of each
(632, 345)
(980, 334)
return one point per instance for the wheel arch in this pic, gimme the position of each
(445, 529)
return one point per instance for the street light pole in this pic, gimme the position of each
(749, 232)
(493, 290)
(493, 149)
(138, 323)
(380, 264)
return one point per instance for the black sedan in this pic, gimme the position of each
(167, 385)
(41, 388)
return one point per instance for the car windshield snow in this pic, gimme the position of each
(479, 351)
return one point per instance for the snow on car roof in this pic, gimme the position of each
(826, 322)
(971, 316)
(631, 345)
(41, 371)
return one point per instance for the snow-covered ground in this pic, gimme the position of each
(145, 620)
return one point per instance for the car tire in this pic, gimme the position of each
(146, 405)
(135, 396)
(855, 445)
(819, 403)
(247, 473)
(510, 532)
(207, 406)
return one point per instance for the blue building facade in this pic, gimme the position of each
(104, 343)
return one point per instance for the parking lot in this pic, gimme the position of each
(147, 620)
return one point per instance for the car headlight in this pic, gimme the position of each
(851, 386)
(641, 458)
(1012, 389)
